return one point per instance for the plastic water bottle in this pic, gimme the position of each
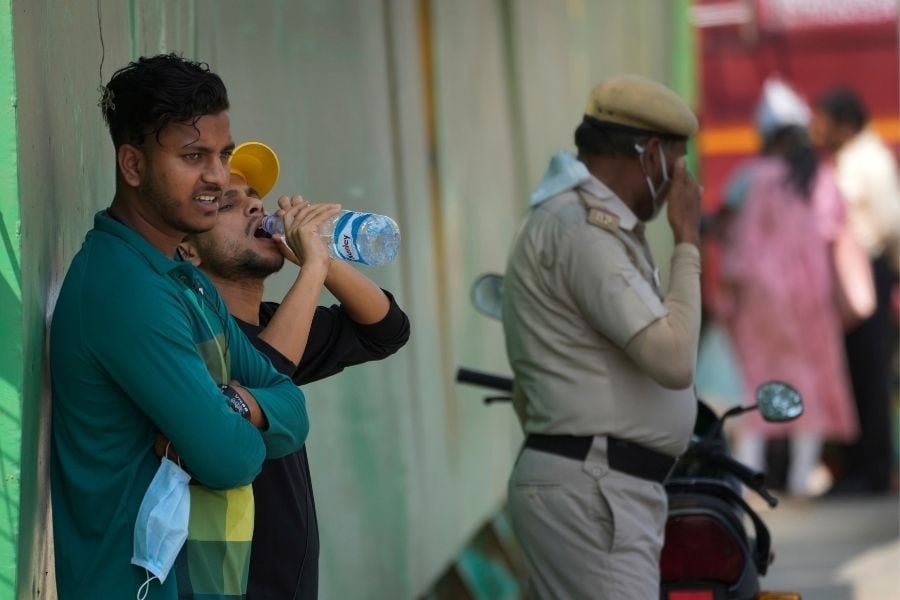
(364, 238)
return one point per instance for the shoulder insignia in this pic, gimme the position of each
(603, 219)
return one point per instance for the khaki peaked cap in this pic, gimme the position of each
(641, 103)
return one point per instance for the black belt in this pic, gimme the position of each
(622, 455)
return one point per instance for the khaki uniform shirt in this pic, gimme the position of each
(580, 284)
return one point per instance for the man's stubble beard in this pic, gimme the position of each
(249, 264)
(229, 262)
(164, 205)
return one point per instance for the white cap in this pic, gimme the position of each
(780, 106)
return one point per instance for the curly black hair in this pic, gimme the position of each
(152, 92)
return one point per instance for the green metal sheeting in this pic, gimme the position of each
(441, 114)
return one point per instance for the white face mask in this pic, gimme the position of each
(162, 523)
(654, 191)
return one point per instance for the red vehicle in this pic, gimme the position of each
(813, 45)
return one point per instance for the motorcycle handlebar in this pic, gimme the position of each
(488, 380)
(752, 479)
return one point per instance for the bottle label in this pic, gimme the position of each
(346, 233)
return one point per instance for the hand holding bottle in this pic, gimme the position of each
(364, 238)
(302, 220)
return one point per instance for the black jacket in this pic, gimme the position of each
(284, 560)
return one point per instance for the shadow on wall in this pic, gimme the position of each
(9, 321)
(490, 567)
(10, 375)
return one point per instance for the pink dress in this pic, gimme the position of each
(783, 319)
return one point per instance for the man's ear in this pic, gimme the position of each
(652, 156)
(652, 148)
(189, 253)
(132, 164)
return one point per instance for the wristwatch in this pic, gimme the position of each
(235, 402)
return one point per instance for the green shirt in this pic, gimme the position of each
(138, 345)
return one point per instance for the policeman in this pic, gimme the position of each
(603, 361)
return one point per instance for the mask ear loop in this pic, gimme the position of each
(653, 193)
(665, 180)
(145, 587)
(662, 158)
(166, 454)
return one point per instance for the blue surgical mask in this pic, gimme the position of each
(654, 191)
(162, 523)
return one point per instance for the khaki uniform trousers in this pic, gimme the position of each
(587, 531)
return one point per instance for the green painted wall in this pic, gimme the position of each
(440, 113)
(65, 175)
(11, 463)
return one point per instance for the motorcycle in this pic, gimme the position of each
(708, 552)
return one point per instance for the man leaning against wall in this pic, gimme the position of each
(141, 345)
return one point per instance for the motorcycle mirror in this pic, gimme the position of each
(779, 402)
(487, 295)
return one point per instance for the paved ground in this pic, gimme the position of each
(836, 549)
